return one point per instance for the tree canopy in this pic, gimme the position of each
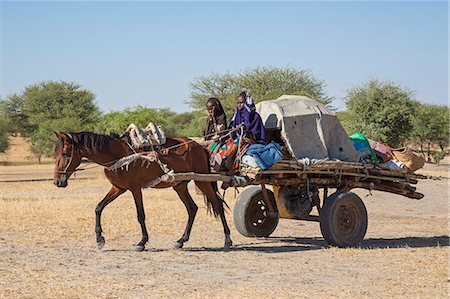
(431, 125)
(264, 83)
(4, 123)
(181, 125)
(118, 121)
(381, 110)
(52, 106)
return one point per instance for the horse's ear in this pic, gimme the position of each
(58, 135)
(66, 137)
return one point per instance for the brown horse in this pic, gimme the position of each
(180, 155)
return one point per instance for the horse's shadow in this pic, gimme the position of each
(306, 244)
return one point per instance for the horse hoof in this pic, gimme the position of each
(139, 248)
(227, 245)
(178, 245)
(100, 244)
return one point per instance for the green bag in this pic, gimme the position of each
(362, 145)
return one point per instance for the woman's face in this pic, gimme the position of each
(211, 109)
(240, 102)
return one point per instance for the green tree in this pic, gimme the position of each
(4, 122)
(42, 140)
(381, 110)
(343, 117)
(188, 124)
(57, 106)
(118, 121)
(17, 118)
(224, 87)
(431, 126)
(264, 83)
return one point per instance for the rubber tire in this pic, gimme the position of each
(329, 219)
(243, 207)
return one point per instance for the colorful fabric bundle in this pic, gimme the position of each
(362, 145)
(222, 157)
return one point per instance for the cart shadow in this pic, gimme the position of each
(292, 244)
(411, 242)
(374, 243)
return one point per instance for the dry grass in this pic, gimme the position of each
(48, 250)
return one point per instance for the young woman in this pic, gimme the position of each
(216, 121)
(246, 114)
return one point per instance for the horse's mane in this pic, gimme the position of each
(93, 140)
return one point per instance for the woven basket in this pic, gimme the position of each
(410, 159)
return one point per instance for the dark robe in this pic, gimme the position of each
(210, 128)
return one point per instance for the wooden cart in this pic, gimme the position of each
(341, 214)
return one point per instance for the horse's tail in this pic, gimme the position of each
(214, 201)
(211, 207)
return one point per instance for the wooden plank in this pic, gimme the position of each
(187, 176)
(336, 173)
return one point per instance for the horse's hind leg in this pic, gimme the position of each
(113, 193)
(137, 194)
(191, 208)
(217, 204)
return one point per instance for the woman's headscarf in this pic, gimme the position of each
(250, 118)
(220, 119)
(217, 106)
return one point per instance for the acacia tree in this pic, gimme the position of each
(186, 124)
(118, 121)
(4, 142)
(431, 126)
(224, 87)
(57, 106)
(264, 83)
(13, 108)
(381, 110)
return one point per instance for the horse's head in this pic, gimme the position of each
(67, 159)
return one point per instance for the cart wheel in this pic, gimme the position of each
(343, 219)
(252, 215)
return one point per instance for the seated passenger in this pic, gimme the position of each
(246, 114)
(216, 121)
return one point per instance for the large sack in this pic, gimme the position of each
(308, 128)
(410, 159)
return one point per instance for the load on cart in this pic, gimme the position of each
(307, 151)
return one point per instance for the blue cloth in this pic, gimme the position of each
(251, 119)
(265, 155)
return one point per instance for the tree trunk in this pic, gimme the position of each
(429, 152)
(421, 149)
(39, 159)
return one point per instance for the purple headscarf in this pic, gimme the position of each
(251, 119)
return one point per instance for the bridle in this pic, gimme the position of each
(68, 164)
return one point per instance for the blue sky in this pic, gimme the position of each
(147, 53)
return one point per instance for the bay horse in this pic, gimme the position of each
(181, 155)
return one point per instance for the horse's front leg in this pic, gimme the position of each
(113, 193)
(137, 194)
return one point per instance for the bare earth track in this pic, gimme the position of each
(48, 249)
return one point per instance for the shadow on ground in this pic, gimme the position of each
(305, 244)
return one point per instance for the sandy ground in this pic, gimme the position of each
(48, 249)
